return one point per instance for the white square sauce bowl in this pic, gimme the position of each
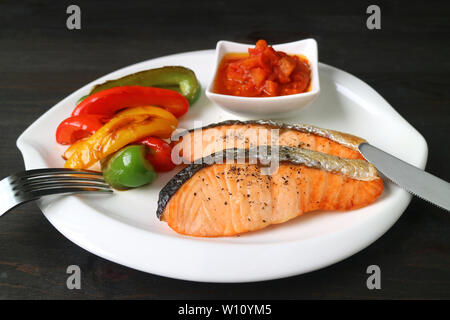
(268, 107)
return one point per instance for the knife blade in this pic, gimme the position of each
(414, 180)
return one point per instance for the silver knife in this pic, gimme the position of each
(412, 179)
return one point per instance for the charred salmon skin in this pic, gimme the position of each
(224, 199)
(199, 142)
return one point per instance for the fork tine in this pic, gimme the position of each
(24, 183)
(36, 194)
(51, 172)
(57, 184)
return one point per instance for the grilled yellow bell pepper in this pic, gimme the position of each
(126, 127)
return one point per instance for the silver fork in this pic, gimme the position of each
(33, 184)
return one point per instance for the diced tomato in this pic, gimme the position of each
(271, 88)
(287, 65)
(258, 75)
(263, 72)
(251, 62)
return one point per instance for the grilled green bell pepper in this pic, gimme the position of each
(180, 79)
(128, 168)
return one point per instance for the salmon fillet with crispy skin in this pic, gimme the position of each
(200, 142)
(225, 199)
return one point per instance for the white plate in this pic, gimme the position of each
(123, 228)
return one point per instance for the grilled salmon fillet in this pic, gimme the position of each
(200, 142)
(225, 199)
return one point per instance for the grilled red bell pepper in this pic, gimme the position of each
(75, 128)
(159, 154)
(109, 101)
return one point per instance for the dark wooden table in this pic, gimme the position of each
(407, 62)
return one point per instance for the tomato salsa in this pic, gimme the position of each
(263, 72)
